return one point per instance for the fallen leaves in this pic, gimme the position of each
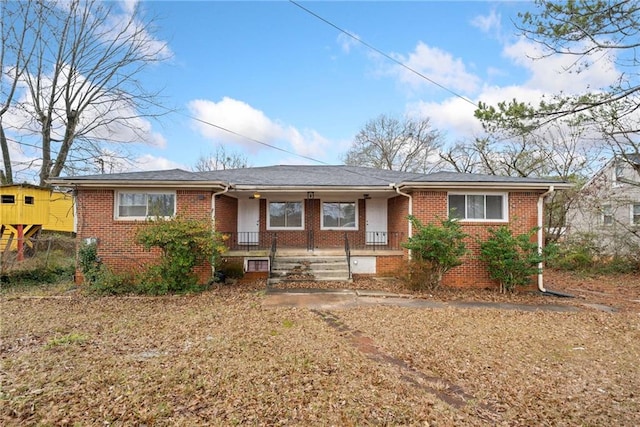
(220, 358)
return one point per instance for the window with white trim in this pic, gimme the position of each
(257, 265)
(635, 214)
(341, 215)
(607, 215)
(141, 205)
(478, 207)
(286, 215)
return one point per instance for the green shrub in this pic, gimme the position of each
(185, 243)
(435, 249)
(511, 260)
(106, 282)
(582, 254)
(89, 261)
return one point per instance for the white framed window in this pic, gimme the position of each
(256, 265)
(635, 214)
(339, 215)
(285, 215)
(607, 215)
(145, 204)
(478, 206)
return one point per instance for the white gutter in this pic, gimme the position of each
(410, 225)
(541, 235)
(213, 220)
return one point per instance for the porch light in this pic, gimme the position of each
(256, 195)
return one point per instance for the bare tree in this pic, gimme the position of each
(220, 159)
(15, 54)
(81, 79)
(558, 150)
(406, 144)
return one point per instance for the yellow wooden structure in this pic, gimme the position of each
(26, 209)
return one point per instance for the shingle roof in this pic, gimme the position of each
(300, 176)
(309, 175)
(474, 177)
(159, 175)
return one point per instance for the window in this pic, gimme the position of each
(142, 205)
(257, 265)
(8, 198)
(478, 207)
(635, 214)
(607, 215)
(339, 215)
(29, 200)
(286, 215)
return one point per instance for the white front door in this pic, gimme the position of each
(248, 221)
(376, 230)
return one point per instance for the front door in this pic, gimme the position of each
(376, 230)
(248, 221)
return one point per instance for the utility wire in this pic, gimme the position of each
(389, 57)
(359, 40)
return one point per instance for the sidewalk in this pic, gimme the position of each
(347, 298)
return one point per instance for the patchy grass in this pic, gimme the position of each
(221, 358)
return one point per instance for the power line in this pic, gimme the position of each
(389, 57)
(257, 141)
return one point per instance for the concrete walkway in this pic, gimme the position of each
(346, 298)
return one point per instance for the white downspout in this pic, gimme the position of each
(213, 219)
(410, 210)
(541, 235)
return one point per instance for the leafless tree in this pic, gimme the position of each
(15, 54)
(81, 79)
(220, 159)
(386, 142)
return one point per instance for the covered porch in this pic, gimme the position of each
(267, 230)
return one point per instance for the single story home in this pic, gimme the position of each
(271, 215)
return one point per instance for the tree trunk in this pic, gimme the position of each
(6, 158)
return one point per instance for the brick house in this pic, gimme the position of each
(268, 213)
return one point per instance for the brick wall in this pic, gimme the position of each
(116, 246)
(429, 206)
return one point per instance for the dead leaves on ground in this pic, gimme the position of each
(220, 358)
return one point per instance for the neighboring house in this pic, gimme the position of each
(26, 209)
(608, 209)
(353, 213)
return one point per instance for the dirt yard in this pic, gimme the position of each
(221, 358)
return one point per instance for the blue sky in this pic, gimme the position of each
(275, 73)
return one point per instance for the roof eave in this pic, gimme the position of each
(452, 185)
(136, 184)
(308, 188)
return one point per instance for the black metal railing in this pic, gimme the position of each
(248, 240)
(358, 240)
(272, 252)
(347, 251)
(376, 240)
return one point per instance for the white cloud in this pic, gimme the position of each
(549, 74)
(437, 65)
(147, 162)
(245, 123)
(488, 23)
(347, 42)
(109, 119)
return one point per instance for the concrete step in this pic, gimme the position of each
(300, 267)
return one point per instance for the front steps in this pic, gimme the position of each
(309, 266)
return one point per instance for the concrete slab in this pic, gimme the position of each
(346, 298)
